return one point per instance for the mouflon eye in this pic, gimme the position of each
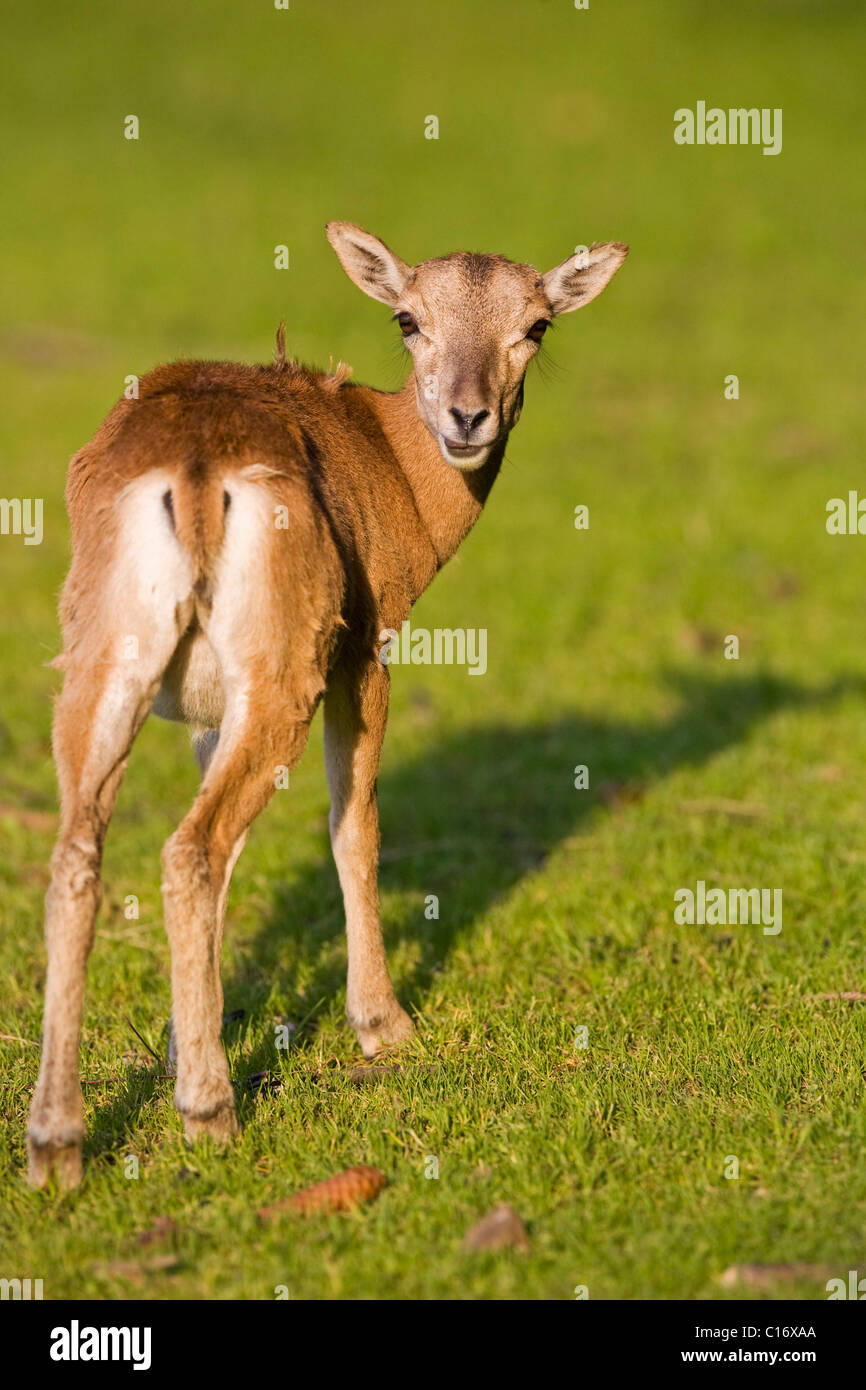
(538, 330)
(408, 326)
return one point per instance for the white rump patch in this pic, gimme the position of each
(240, 591)
(152, 573)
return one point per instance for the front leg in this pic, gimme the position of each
(356, 709)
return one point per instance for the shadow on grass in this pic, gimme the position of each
(467, 820)
(479, 809)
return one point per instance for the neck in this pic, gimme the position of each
(449, 502)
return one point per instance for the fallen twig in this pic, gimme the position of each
(144, 1043)
(110, 1080)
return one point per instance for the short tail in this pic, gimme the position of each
(197, 503)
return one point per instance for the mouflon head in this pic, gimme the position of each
(472, 324)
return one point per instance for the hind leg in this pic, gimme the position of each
(205, 743)
(125, 605)
(259, 737)
(96, 720)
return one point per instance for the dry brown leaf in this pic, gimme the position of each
(351, 1188)
(162, 1230)
(501, 1227)
(359, 1076)
(767, 1276)
(378, 1071)
(136, 1270)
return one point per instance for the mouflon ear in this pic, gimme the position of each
(368, 262)
(583, 276)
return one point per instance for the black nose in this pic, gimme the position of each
(466, 420)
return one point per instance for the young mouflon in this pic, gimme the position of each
(242, 536)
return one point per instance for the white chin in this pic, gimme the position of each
(464, 463)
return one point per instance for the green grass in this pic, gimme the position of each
(605, 648)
